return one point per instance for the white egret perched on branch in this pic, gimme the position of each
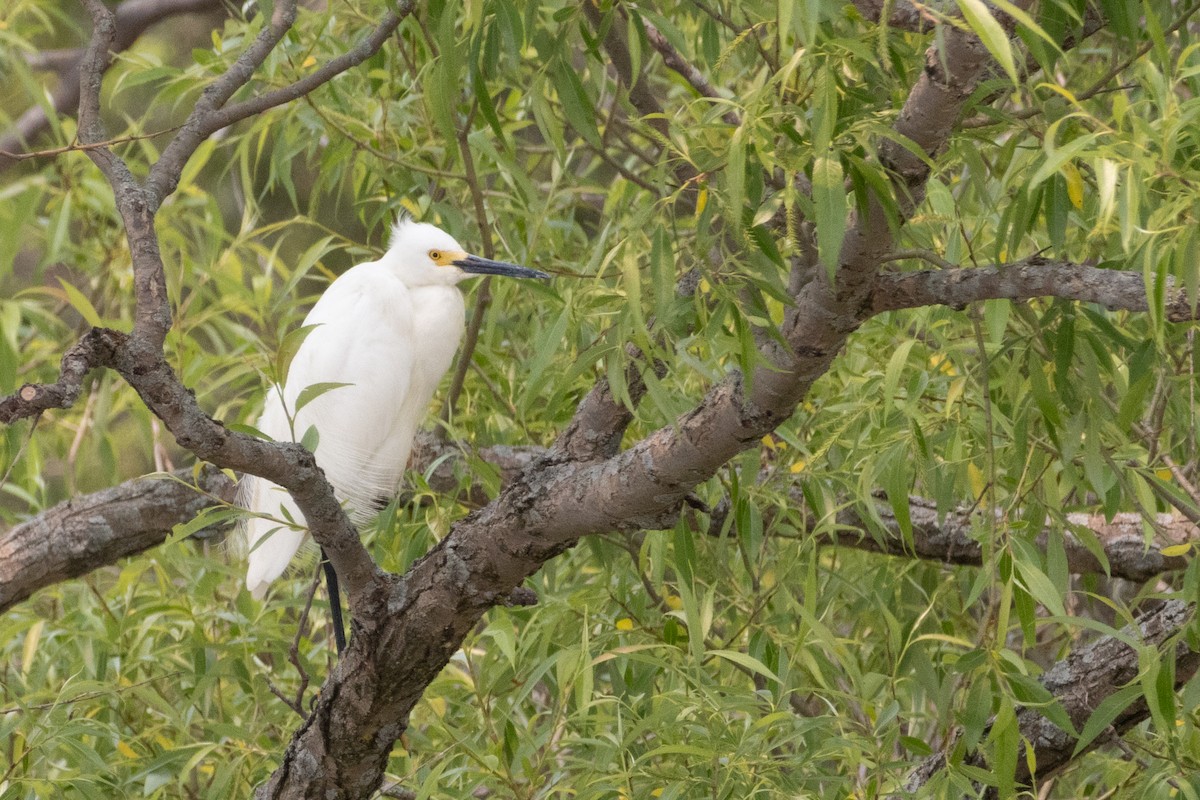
(384, 334)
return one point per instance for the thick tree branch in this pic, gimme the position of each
(600, 420)
(44, 550)
(950, 540)
(33, 398)
(1024, 280)
(90, 531)
(1080, 683)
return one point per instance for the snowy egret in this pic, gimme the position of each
(384, 334)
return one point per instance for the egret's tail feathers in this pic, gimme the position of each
(270, 541)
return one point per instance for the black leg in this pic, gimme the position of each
(335, 603)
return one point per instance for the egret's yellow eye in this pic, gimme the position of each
(436, 255)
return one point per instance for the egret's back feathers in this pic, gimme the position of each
(388, 330)
(391, 344)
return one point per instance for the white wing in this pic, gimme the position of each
(364, 338)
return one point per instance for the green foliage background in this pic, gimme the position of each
(662, 664)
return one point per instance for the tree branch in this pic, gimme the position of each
(1024, 280)
(675, 61)
(210, 115)
(1080, 683)
(950, 540)
(44, 550)
(94, 530)
(33, 398)
(90, 531)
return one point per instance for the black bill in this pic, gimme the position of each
(485, 266)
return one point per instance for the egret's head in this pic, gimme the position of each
(426, 255)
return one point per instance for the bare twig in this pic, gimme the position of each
(296, 703)
(483, 295)
(81, 698)
(80, 147)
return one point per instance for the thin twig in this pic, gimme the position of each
(21, 450)
(83, 147)
(297, 703)
(210, 113)
(133, 18)
(483, 297)
(86, 696)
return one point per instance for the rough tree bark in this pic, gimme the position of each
(95, 530)
(407, 627)
(1080, 683)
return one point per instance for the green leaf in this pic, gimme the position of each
(735, 175)
(896, 366)
(576, 105)
(1057, 157)
(311, 438)
(743, 660)
(80, 303)
(1040, 587)
(829, 202)
(288, 349)
(313, 391)
(1104, 715)
(989, 31)
(208, 518)
(1006, 741)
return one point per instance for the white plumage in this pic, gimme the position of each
(388, 329)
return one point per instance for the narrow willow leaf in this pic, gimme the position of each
(829, 201)
(989, 31)
(313, 391)
(576, 105)
(80, 303)
(288, 349)
(1108, 710)
(743, 660)
(1057, 157)
(735, 175)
